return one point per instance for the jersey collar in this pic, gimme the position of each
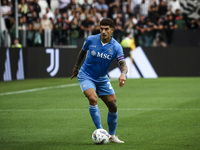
(111, 40)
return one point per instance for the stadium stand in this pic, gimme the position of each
(182, 14)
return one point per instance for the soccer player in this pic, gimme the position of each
(101, 49)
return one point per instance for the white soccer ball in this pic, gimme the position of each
(100, 136)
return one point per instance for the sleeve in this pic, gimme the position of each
(86, 44)
(120, 53)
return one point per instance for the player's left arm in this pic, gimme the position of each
(124, 70)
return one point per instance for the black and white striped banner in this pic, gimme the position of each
(191, 8)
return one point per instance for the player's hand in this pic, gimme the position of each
(75, 72)
(122, 79)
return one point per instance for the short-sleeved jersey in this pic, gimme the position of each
(99, 57)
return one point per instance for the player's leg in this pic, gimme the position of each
(110, 101)
(93, 108)
(106, 92)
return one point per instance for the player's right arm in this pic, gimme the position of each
(79, 60)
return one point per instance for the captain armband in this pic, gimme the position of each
(120, 58)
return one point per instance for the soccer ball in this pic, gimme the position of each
(100, 136)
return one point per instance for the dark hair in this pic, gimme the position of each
(107, 22)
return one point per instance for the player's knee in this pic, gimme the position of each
(112, 106)
(92, 99)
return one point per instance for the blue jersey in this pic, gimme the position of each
(99, 57)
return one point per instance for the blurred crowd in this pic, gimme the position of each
(149, 22)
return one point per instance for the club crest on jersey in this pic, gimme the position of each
(110, 50)
(93, 53)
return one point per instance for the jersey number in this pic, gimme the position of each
(110, 86)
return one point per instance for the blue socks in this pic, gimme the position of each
(112, 122)
(111, 119)
(95, 114)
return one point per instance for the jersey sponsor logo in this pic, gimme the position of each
(93, 46)
(104, 56)
(54, 61)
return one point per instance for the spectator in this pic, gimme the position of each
(114, 13)
(50, 13)
(162, 9)
(180, 21)
(169, 27)
(96, 29)
(71, 16)
(198, 23)
(140, 33)
(36, 6)
(30, 35)
(159, 26)
(133, 6)
(22, 23)
(62, 29)
(95, 15)
(149, 34)
(159, 30)
(23, 7)
(6, 13)
(73, 6)
(87, 26)
(118, 30)
(153, 14)
(144, 7)
(84, 14)
(16, 44)
(103, 15)
(37, 25)
(159, 42)
(192, 24)
(57, 15)
(63, 5)
(173, 5)
(86, 5)
(102, 7)
(46, 23)
(95, 4)
(112, 4)
(131, 24)
(37, 28)
(74, 28)
(155, 3)
(31, 14)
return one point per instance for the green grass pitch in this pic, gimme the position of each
(52, 114)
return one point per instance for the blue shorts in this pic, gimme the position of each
(102, 87)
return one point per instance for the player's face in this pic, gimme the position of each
(106, 32)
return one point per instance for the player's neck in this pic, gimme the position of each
(105, 41)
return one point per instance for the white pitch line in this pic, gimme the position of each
(39, 89)
(43, 88)
(120, 109)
